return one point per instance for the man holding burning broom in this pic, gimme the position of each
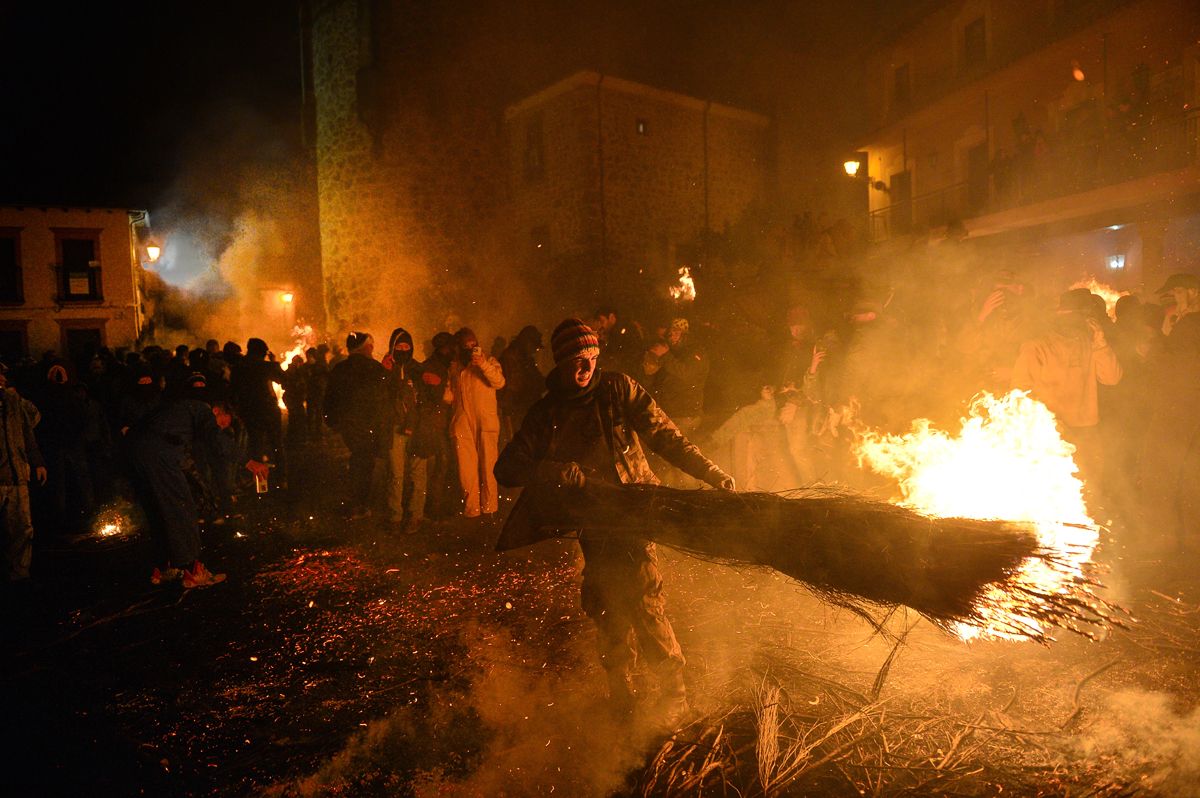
(594, 422)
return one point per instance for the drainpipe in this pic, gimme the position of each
(603, 207)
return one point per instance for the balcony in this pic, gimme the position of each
(1083, 156)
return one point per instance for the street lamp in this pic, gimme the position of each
(152, 252)
(287, 297)
(852, 167)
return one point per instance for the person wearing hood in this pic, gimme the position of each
(475, 424)
(592, 425)
(523, 380)
(430, 443)
(402, 370)
(356, 402)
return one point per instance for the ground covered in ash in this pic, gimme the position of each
(345, 659)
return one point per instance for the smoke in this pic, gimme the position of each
(238, 230)
(1143, 737)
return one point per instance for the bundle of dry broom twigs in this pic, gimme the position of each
(852, 550)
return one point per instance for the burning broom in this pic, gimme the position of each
(972, 576)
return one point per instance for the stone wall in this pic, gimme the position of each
(630, 175)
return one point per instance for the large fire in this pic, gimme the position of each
(1109, 294)
(685, 289)
(302, 339)
(1008, 462)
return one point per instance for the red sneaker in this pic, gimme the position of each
(199, 576)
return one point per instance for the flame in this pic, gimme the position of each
(685, 289)
(108, 530)
(302, 339)
(1008, 462)
(1109, 294)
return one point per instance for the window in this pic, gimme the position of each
(14, 341)
(535, 151)
(901, 88)
(81, 338)
(974, 44)
(642, 127)
(12, 281)
(78, 275)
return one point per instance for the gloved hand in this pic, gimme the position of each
(720, 480)
(563, 475)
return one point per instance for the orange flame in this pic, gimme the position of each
(1109, 294)
(685, 289)
(1008, 462)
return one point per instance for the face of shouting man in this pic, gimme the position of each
(579, 370)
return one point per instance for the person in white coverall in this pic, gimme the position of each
(475, 424)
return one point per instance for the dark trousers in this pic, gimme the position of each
(168, 502)
(623, 595)
(363, 450)
(264, 437)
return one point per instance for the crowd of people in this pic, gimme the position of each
(188, 432)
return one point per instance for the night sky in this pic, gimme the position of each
(105, 99)
(110, 102)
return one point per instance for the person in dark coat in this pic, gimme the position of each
(258, 406)
(61, 437)
(316, 375)
(524, 382)
(295, 399)
(356, 406)
(595, 422)
(160, 446)
(430, 444)
(402, 372)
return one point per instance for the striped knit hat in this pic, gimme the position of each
(571, 339)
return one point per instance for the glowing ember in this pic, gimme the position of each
(1008, 462)
(1109, 294)
(685, 289)
(302, 340)
(108, 530)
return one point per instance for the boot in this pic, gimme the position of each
(672, 707)
(621, 695)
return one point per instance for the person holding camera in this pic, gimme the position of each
(475, 424)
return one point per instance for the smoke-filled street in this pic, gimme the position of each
(344, 660)
(600, 398)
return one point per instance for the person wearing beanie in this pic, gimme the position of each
(475, 424)
(593, 425)
(356, 407)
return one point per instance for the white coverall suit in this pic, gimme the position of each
(475, 427)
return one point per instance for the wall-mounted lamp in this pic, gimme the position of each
(857, 167)
(287, 297)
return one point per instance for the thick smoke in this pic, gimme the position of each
(238, 230)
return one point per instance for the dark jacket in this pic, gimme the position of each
(252, 392)
(401, 385)
(678, 379)
(524, 382)
(431, 434)
(356, 400)
(627, 417)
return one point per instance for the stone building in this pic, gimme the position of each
(69, 280)
(610, 180)
(434, 198)
(1064, 133)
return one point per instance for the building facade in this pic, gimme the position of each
(69, 280)
(1066, 130)
(612, 182)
